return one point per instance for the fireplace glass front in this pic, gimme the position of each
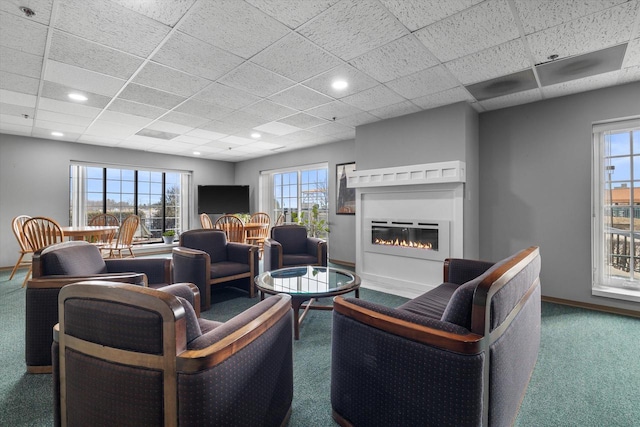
(405, 235)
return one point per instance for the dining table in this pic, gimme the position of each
(86, 232)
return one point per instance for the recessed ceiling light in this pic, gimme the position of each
(196, 153)
(339, 84)
(57, 133)
(77, 97)
(255, 135)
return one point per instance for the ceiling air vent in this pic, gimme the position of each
(505, 85)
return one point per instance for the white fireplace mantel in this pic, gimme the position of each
(428, 173)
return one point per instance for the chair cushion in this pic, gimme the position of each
(299, 259)
(292, 238)
(431, 304)
(227, 268)
(72, 259)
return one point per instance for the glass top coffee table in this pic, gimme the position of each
(306, 283)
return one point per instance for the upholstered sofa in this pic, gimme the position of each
(459, 355)
(69, 262)
(289, 246)
(129, 356)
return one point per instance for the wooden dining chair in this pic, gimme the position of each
(256, 236)
(125, 237)
(40, 232)
(25, 248)
(105, 240)
(205, 221)
(232, 226)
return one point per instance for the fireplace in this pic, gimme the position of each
(424, 239)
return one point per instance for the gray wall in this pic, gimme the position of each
(34, 178)
(342, 234)
(536, 184)
(437, 135)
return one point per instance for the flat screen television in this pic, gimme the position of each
(223, 199)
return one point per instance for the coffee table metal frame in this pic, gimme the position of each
(298, 299)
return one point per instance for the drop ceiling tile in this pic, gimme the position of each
(60, 127)
(99, 140)
(46, 133)
(512, 99)
(100, 128)
(256, 80)
(147, 95)
(13, 129)
(395, 110)
(334, 110)
(357, 80)
(22, 34)
(594, 32)
(268, 110)
(206, 134)
(229, 97)
(111, 25)
(82, 79)
(203, 109)
(184, 119)
(376, 97)
(213, 147)
(167, 12)
(300, 98)
(16, 110)
(449, 96)
(17, 98)
(243, 119)
(632, 56)
(263, 145)
(415, 14)
(236, 27)
(330, 128)
(126, 119)
(82, 53)
(302, 135)
(53, 116)
(292, 13)
(142, 110)
(496, 61)
(223, 128)
(628, 75)
(192, 140)
(237, 140)
(72, 108)
(542, 14)
(581, 85)
(432, 80)
(18, 62)
(296, 58)
(399, 58)
(194, 56)
(42, 8)
(483, 26)
(358, 119)
(277, 128)
(353, 27)
(19, 83)
(9, 119)
(302, 121)
(163, 126)
(61, 92)
(164, 78)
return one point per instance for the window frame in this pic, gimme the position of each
(603, 283)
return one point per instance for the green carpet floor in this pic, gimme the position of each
(588, 370)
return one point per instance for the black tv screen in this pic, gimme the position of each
(223, 199)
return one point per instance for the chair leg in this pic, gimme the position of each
(24, 282)
(15, 267)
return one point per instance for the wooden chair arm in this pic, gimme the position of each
(467, 343)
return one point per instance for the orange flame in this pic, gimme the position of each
(403, 243)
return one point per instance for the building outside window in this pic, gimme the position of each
(160, 198)
(616, 209)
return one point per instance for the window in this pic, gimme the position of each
(616, 200)
(159, 198)
(296, 193)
